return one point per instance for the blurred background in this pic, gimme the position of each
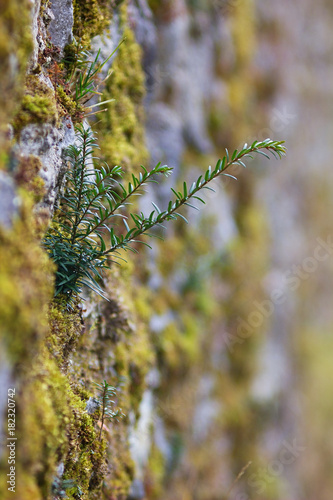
(242, 296)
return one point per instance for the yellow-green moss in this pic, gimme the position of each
(43, 6)
(53, 425)
(115, 347)
(121, 466)
(25, 289)
(247, 265)
(25, 284)
(121, 349)
(65, 331)
(69, 105)
(52, 422)
(91, 18)
(26, 176)
(133, 353)
(38, 105)
(121, 128)
(45, 414)
(116, 344)
(42, 417)
(243, 29)
(85, 460)
(15, 48)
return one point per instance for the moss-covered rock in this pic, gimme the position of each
(91, 18)
(38, 105)
(15, 48)
(122, 137)
(26, 176)
(69, 106)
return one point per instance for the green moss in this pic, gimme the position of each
(65, 331)
(121, 128)
(118, 349)
(25, 290)
(52, 423)
(41, 340)
(25, 283)
(15, 18)
(170, 254)
(85, 460)
(43, 6)
(26, 176)
(119, 345)
(247, 265)
(44, 404)
(116, 344)
(163, 10)
(132, 349)
(91, 18)
(69, 105)
(241, 80)
(37, 108)
(37, 187)
(38, 105)
(15, 47)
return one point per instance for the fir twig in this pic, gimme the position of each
(106, 392)
(94, 197)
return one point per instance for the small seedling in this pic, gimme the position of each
(84, 78)
(105, 393)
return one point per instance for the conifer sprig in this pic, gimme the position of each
(106, 404)
(95, 199)
(157, 217)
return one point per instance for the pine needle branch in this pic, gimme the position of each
(94, 197)
(143, 224)
(105, 393)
